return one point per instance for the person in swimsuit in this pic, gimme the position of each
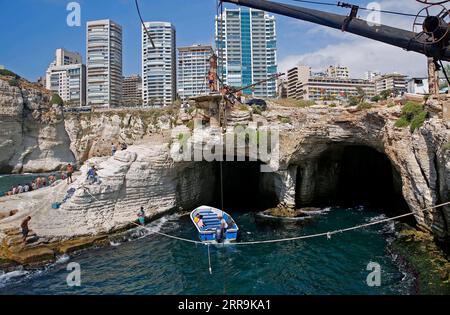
(25, 229)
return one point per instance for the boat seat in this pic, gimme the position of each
(207, 217)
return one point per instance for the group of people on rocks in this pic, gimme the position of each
(35, 184)
(42, 182)
(123, 146)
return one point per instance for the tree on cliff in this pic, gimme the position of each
(56, 99)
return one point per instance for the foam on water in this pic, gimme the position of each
(62, 259)
(114, 244)
(10, 276)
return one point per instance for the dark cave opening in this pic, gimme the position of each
(350, 176)
(245, 187)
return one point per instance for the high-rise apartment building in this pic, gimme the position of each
(64, 57)
(66, 76)
(247, 49)
(193, 69)
(159, 72)
(104, 64)
(132, 90)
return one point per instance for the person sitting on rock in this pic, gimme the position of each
(113, 149)
(141, 216)
(25, 229)
(92, 174)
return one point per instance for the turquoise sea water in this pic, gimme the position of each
(7, 181)
(140, 262)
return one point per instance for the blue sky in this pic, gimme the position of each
(31, 30)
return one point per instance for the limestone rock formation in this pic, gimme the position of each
(32, 134)
(158, 173)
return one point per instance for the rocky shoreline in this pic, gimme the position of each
(40, 252)
(422, 256)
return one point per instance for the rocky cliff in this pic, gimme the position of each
(32, 134)
(312, 157)
(38, 137)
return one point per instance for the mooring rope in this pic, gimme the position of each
(327, 234)
(209, 261)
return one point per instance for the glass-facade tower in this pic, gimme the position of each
(246, 43)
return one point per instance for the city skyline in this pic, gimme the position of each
(297, 41)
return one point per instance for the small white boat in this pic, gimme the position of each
(211, 230)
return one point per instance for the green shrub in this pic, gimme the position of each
(243, 107)
(56, 99)
(285, 120)
(413, 115)
(402, 122)
(385, 94)
(183, 138)
(353, 100)
(190, 124)
(257, 110)
(376, 98)
(364, 106)
(13, 82)
(332, 105)
(418, 120)
(190, 110)
(446, 147)
(411, 109)
(5, 72)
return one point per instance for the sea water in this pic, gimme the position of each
(148, 263)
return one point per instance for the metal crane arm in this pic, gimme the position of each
(382, 33)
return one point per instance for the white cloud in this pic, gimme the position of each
(360, 55)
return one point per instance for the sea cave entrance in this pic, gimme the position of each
(349, 175)
(245, 187)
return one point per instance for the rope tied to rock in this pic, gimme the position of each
(328, 234)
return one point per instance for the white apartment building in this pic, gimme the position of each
(371, 75)
(193, 69)
(104, 64)
(302, 84)
(66, 76)
(64, 57)
(418, 86)
(338, 72)
(159, 72)
(247, 44)
(391, 81)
